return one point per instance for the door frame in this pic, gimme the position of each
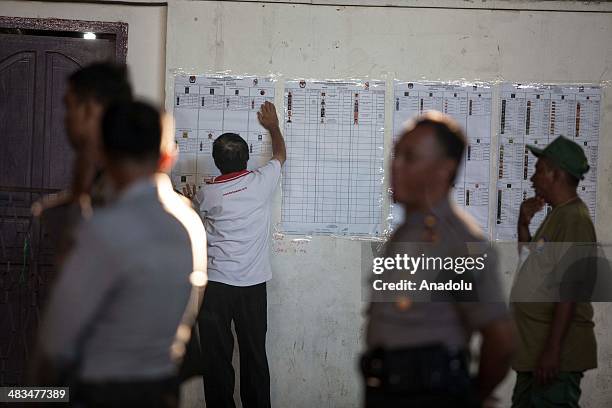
(117, 29)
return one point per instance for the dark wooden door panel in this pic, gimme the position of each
(60, 62)
(14, 240)
(55, 59)
(58, 155)
(35, 159)
(17, 94)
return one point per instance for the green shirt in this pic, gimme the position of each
(569, 223)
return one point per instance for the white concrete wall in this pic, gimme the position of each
(146, 56)
(315, 306)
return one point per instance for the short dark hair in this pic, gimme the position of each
(104, 82)
(449, 136)
(132, 131)
(230, 153)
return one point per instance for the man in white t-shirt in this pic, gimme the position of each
(235, 207)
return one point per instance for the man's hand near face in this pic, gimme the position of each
(528, 209)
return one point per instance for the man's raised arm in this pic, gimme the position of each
(268, 119)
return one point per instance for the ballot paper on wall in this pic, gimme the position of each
(536, 114)
(332, 180)
(207, 106)
(470, 105)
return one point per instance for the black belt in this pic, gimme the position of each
(418, 370)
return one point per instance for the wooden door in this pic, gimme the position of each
(35, 160)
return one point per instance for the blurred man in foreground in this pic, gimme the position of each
(122, 292)
(418, 341)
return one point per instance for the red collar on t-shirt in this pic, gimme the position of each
(229, 176)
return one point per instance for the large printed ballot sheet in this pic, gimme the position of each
(332, 181)
(470, 105)
(206, 107)
(537, 114)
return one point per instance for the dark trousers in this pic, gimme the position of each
(563, 392)
(247, 307)
(378, 398)
(151, 394)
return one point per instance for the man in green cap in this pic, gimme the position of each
(556, 337)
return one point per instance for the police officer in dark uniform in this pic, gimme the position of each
(418, 340)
